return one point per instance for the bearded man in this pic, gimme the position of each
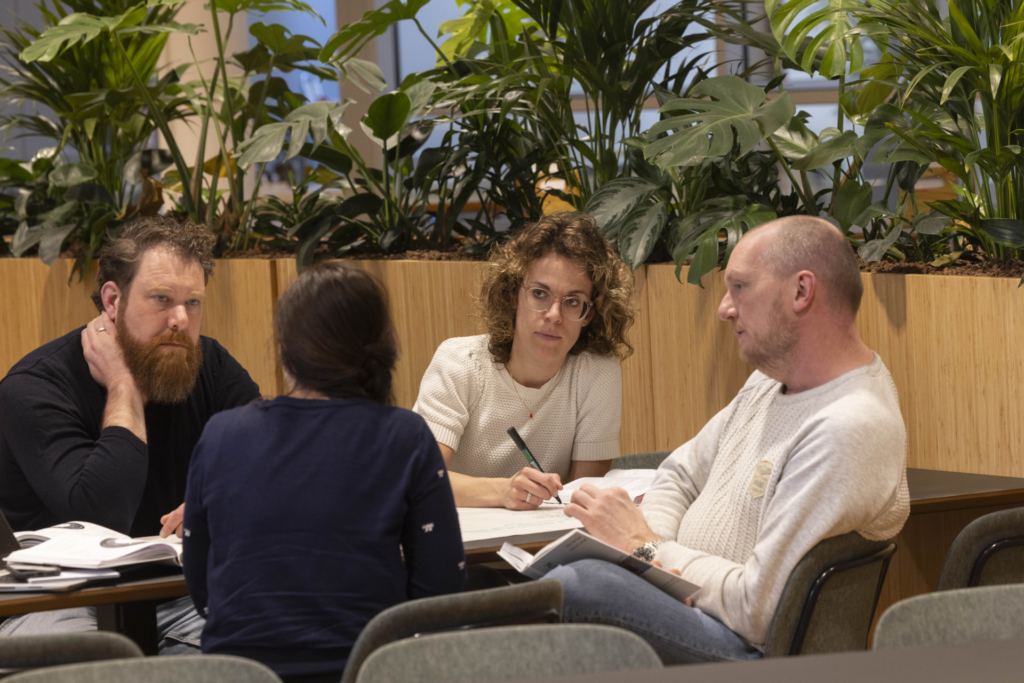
(99, 425)
(812, 447)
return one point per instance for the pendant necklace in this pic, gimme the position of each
(516, 389)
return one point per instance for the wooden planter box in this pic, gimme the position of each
(948, 341)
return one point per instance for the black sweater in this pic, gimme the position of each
(297, 516)
(57, 464)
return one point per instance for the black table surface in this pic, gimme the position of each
(932, 484)
(995, 662)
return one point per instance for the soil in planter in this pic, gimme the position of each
(1013, 268)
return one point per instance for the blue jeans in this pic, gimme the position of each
(598, 592)
(179, 626)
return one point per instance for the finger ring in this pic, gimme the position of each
(101, 329)
(528, 496)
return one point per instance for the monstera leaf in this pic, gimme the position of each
(267, 141)
(732, 215)
(738, 113)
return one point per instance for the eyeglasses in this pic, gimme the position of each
(574, 308)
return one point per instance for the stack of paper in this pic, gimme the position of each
(93, 547)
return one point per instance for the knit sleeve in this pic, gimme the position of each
(846, 471)
(682, 476)
(599, 408)
(448, 391)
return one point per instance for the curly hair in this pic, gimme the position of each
(120, 257)
(576, 237)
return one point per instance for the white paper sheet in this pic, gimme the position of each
(485, 527)
(636, 483)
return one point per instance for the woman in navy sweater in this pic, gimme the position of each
(307, 515)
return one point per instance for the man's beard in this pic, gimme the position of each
(161, 375)
(771, 349)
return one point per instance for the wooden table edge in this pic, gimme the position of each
(172, 587)
(971, 500)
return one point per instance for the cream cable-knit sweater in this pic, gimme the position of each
(768, 478)
(469, 402)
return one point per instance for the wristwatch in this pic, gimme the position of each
(647, 550)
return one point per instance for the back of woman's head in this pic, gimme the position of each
(335, 333)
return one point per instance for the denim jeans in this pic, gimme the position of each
(598, 592)
(179, 626)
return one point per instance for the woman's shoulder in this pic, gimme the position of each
(474, 347)
(463, 354)
(598, 365)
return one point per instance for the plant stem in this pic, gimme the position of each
(808, 207)
(161, 122)
(222, 63)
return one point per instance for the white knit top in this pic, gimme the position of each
(772, 475)
(469, 402)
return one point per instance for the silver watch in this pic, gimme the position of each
(647, 550)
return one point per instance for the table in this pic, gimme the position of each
(128, 606)
(936, 491)
(997, 662)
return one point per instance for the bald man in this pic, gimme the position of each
(812, 447)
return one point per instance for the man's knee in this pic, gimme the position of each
(74, 620)
(588, 582)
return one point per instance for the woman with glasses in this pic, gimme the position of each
(557, 302)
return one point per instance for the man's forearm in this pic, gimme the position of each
(125, 408)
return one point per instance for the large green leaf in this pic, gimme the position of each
(834, 149)
(1005, 231)
(388, 114)
(316, 119)
(9, 168)
(236, 6)
(640, 230)
(851, 199)
(615, 200)
(348, 41)
(82, 28)
(875, 249)
(72, 174)
(833, 42)
(931, 223)
(738, 114)
(732, 215)
(795, 140)
(366, 75)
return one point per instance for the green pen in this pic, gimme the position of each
(530, 460)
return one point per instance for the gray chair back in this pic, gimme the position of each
(18, 653)
(191, 668)
(988, 552)
(640, 461)
(537, 601)
(829, 601)
(964, 615)
(510, 652)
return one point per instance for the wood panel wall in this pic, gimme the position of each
(432, 301)
(949, 342)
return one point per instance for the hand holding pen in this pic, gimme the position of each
(531, 461)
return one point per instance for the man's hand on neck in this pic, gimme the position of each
(125, 403)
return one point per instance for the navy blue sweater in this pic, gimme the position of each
(297, 516)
